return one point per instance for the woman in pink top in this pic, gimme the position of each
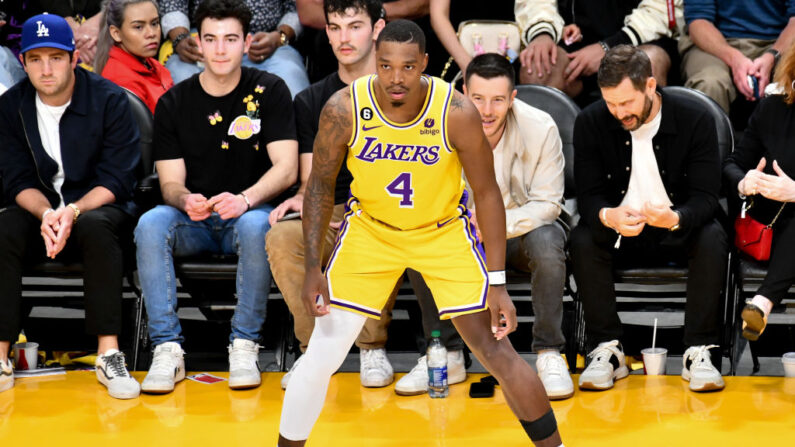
(128, 42)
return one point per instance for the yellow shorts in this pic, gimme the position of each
(369, 257)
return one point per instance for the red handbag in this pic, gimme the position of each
(753, 237)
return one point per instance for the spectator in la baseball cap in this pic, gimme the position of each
(69, 153)
(47, 31)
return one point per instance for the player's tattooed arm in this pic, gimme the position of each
(457, 102)
(328, 154)
(466, 133)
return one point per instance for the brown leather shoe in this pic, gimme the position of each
(754, 321)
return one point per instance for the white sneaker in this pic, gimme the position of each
(168, 368)
(375, 371)
(6, 375)
(601, 372)
(286, 377)
(697, 369)
(112, 372)
(554, 374)
(244, 364)
(416, 381)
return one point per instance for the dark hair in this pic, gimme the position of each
(489, 66)
(112, 15)
(223, 9)
(373, 8)
(624, 61)
(402, 31)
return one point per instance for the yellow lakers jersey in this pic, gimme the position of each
(406, 175)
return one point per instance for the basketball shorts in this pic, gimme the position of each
(370, 256)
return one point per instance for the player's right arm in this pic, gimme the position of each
(476, 158)
(328, 154)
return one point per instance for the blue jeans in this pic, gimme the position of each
(11, 70)
(165, 232)
(286, 62)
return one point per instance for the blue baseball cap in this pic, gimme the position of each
(47, 31)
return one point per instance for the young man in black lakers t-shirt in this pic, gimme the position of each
(225, 148)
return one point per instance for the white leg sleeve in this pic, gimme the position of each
(331, 341)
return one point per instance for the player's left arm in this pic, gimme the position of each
(466, 134)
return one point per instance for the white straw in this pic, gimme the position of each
(654, 335)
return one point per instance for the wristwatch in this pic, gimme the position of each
(776, 54)
(676, 227)
(283, 39)
(75, 209)
(176, 41)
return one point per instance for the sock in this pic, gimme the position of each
(763, 303)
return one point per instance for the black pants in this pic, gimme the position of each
(96, 240)
(704, 251)
(781, 270)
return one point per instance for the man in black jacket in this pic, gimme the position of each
(69, 151)
(648, 173)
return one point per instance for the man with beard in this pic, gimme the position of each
(647, 172)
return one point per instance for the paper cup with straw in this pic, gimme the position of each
(654, 358)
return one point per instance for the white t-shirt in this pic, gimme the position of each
(49, 118)
(645, 184)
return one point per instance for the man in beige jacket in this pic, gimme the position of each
(528, 163)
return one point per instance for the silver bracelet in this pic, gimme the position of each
(248, 203)
(47, 211)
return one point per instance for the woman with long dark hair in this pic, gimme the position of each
(127, 46)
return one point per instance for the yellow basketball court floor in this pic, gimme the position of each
(73, 409)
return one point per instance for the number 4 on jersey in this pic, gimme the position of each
(401, 187)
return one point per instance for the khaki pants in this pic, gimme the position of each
(284, 243)
(707, 73)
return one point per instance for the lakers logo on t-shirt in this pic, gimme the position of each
(244, 127)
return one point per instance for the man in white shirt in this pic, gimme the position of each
(68, 159)
(648, 177)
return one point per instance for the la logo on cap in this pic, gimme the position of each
(42, 31)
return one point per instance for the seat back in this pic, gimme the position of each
(564, 111)
(146, 128)
(722, 122)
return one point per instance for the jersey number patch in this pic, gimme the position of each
(401, 187)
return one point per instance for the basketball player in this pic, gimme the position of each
(406, 137)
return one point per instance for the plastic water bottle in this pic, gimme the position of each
(437, 368)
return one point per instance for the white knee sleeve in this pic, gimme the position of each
(306, 393)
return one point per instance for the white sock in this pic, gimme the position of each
(331, 340)
(763, 303)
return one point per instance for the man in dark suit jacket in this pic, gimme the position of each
(648, 176)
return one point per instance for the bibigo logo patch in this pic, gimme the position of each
(244, 127)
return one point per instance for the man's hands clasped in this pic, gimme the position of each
(56, 227)
(226, 204)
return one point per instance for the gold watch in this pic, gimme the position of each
(75, 209)
(676, 226)
(283, 39)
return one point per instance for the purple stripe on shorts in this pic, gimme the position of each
(356, 308)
